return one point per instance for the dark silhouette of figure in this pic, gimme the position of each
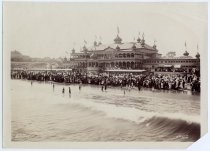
(63, 90)
(69, 90)
(80, 85)
(105, 86)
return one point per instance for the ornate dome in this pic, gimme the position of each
(73, 50)
(197, 55)
(95, 43)
(138, 40)
(118, 40)
(118, 48)
(142, 42)
(134, 46)
(186, 53)
(85, 48)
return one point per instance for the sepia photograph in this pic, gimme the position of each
(114, 72)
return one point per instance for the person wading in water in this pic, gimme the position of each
(69, 92)
(63, 91)
(102, 85)
(105, 86)
(80, 85)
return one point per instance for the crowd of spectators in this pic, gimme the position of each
(153, 81)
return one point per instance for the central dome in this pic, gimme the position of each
(118, 40)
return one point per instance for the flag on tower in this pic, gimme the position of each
(85, 41)
(197, 47)
(185, 44)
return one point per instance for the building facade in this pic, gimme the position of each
(130, 56)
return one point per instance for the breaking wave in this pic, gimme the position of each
(174, 126)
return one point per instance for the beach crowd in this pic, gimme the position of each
(153, 81)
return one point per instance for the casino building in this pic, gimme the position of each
(130, 56)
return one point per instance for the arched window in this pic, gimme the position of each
(128, 65)
(124, 55)
(124, 64)
(132, 55)
(132, 65)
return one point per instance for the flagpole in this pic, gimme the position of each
(185, 46)
(118, 30)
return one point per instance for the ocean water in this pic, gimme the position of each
(41, 113)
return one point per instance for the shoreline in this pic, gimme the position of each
(117, 87)
(144, 92)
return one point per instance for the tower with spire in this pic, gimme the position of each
(95, 42)
(198, 54)
(99, 42)
(143, 41)
(155, 46)
(73, 51)
(84, 47)
(186, 53)
(118, 40)
(134, 47)
(139, 39)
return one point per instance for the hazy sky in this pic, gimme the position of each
(50, 29)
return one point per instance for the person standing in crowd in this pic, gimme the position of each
(183, 84)
(53, 86)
